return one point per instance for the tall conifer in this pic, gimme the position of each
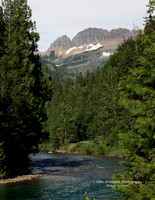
(137, 138)
(23, 94)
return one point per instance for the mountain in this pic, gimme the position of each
(89, 49)
(85, 40)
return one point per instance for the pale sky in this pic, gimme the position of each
(55, 18)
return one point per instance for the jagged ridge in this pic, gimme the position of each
(108, 39)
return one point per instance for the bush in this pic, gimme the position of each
(85, 196)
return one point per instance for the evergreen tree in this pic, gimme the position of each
(137, 137)
(1, 32)
(69, 112)
(109, 112)
(54, 111)
(79, 111)
(2, 28)
(23, 84)
(108, 103)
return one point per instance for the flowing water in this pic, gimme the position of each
(65, 177)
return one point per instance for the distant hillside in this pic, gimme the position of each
(89, 49)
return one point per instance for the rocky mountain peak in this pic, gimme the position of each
(90, 36)
(62, 42)
(120, 32)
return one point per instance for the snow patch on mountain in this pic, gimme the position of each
(93, 47)
(106, 54)
(71, 49)
(81, 49)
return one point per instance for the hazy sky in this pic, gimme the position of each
(55, 18)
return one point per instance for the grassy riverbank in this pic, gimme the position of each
(86, 147)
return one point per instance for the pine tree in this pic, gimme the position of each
(68, 112)
(109, 112)
(1, 32)
(22, 97)
(137, 137)
(2, 29)
(54, 113)
(2, 155)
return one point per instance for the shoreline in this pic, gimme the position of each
(20, 178)
(37, 176)
(85, 153)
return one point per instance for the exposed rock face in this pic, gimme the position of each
(90, 35)
(89, 49)
(94, 35)
(60, 45)
(108, 39)
(62, 42)
(120, 33)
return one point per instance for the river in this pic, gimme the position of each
(66, 177)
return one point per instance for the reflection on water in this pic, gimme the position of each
(65, 177)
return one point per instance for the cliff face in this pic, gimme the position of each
(90, 35)
(89, 49)
(94, 35)
(109, 40)
(62, 42)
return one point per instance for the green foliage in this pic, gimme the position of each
(2, 29)
(89, 148)
(67, 67)
(45, 146)
(23, 90)
(89, 107)
(137, 136)
(86, 197)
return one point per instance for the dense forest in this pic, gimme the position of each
(24, 89)
(112, 107)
